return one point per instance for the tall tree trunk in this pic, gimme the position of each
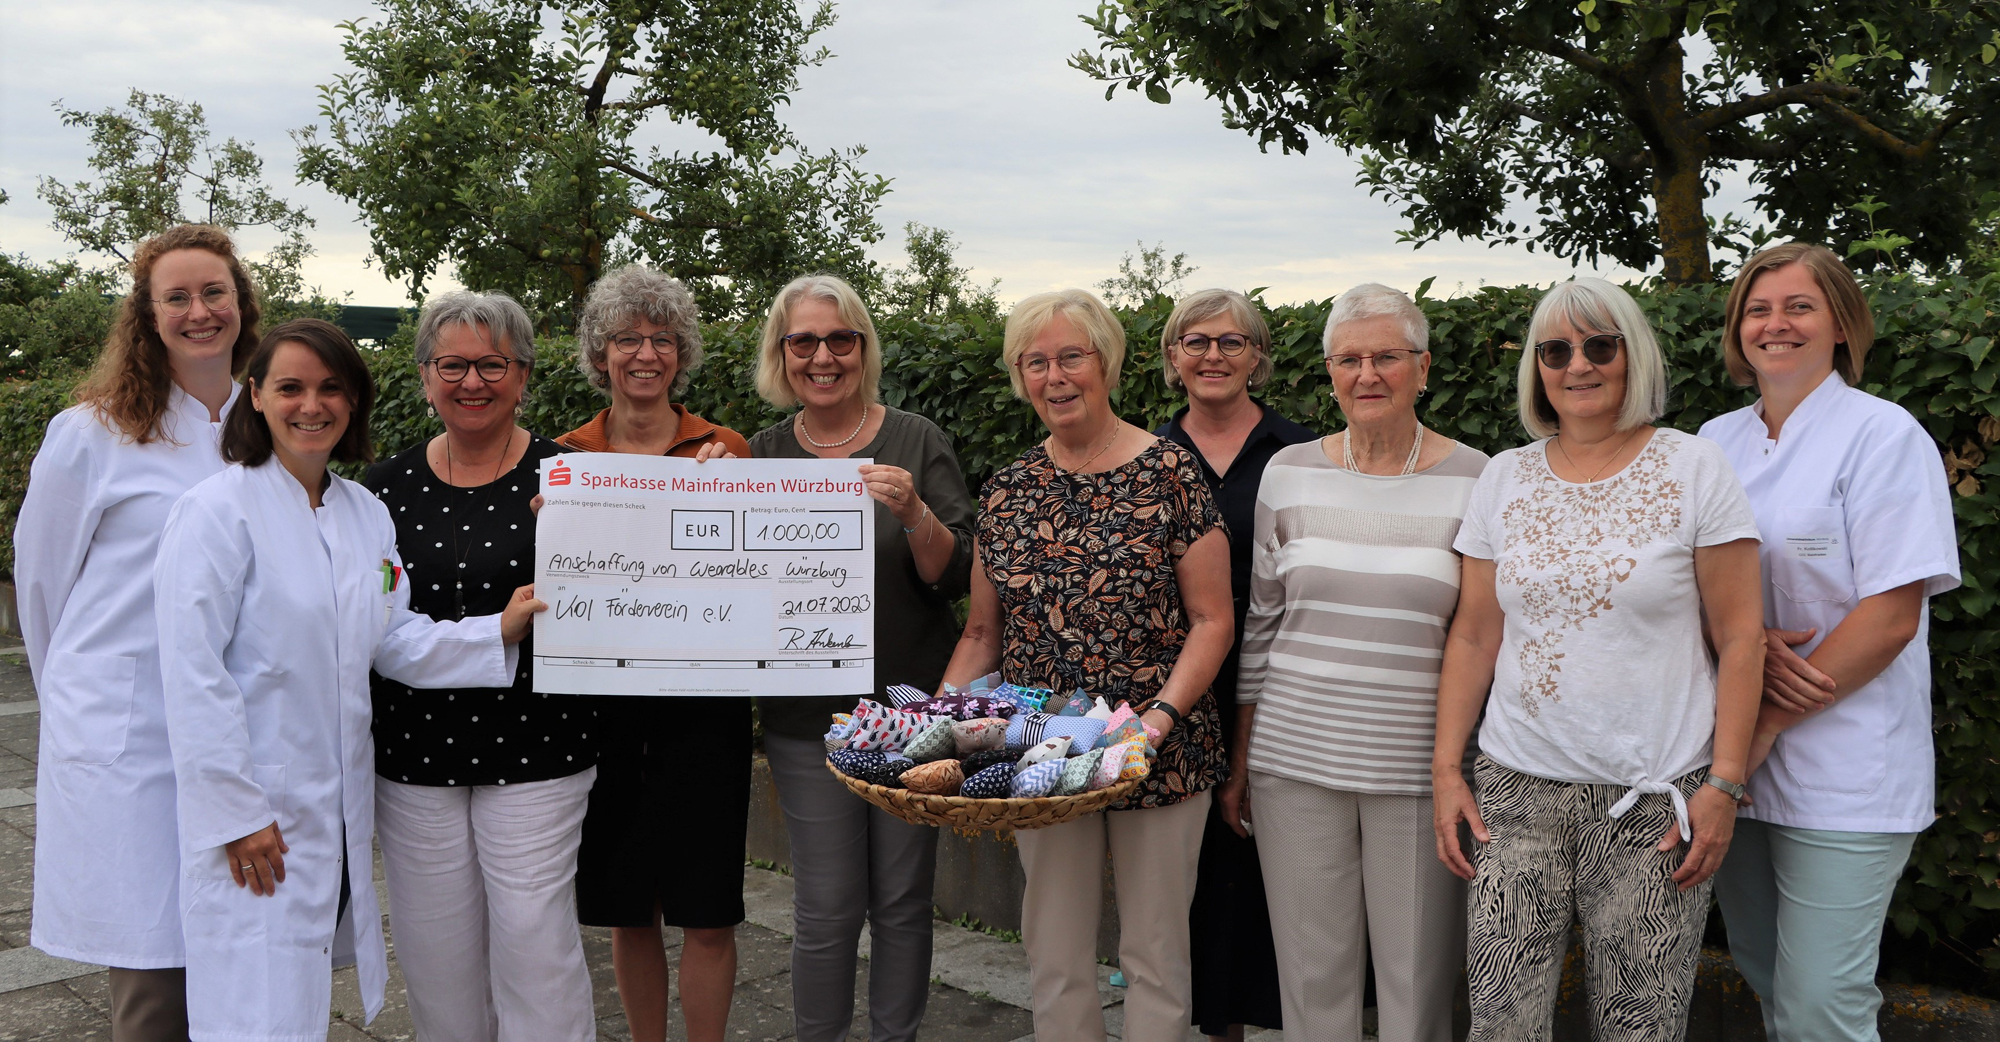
(1680, 154)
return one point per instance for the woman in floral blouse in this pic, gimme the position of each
(1103, 564)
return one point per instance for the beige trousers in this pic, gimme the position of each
(1154, 854)
(1350, 875)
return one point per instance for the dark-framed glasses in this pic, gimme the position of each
(628, 342)
(217, 299)
(492, 368)
(1384, 361)
(1070, 361)
(1598, 349)
(839, 343)
(1195, 345)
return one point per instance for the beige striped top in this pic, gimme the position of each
(1352, 589)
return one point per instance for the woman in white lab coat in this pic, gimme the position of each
(145, 429)
(278, 586)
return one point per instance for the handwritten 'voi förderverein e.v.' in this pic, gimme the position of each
(668, 577)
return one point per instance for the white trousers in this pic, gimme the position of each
(482, 908)
(1154, 856)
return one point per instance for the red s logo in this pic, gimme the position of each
(559, 475)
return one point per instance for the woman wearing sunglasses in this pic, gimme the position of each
(1613, 748)
(1216, 348)
(1858, 537)
(854, 863)
(479, 792)
(651, 855)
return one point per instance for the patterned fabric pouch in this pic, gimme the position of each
(978, 735)
(1037, 779)
(836, 736)
(1106, 774)
(963, 707)
(871, 767)
(1076, 774)
(902, 696)
(936, 743)
(1078, 705)
(1050, 749)
(973, 763)
(883, 729)
(1131, 759)
(1030, 729)
(1132, 727)
(939, 778)
(985, 683)
(989, 784)
(1029, 699)
(1100, 711)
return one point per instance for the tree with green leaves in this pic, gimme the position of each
(933, 284)
(1151, 274)
(501, 137)
(1599, 128)
(156, 166)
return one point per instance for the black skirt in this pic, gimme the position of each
(1234, 965)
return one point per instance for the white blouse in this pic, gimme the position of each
(1603, 676)
(1851, 501)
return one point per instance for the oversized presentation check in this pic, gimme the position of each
(665, 576)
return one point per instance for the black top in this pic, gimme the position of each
(465, 551)
(915, 630)
(1236, 493)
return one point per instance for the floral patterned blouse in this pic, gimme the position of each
(1084, 566)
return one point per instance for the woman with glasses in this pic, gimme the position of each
(653, 855)
(479, 792)
(853, 863)
(145, 430)
(1858, 533)
(1103, 564)
(1354, 587)
(1216, 349)
(1613, 748)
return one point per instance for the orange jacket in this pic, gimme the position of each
(693, 434)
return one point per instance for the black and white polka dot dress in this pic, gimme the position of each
(465, 551)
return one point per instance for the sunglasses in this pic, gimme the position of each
(840, 342)
(1597, 350)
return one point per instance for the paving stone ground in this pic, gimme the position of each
(979, 991)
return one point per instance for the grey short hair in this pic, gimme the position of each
(627, 295)
(1374, 300)
(1590, 305)
(1202, 305)
(499, 314)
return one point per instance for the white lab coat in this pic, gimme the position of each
(270, 615)
(107, 857)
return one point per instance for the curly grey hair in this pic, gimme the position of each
(497, 313)
(625, 296)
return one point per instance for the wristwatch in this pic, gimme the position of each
(1734, 789)
(1163, 706)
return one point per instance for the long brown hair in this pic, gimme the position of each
(246, 433)
(1843, 297)
(133, 378)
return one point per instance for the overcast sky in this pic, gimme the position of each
(968, 105)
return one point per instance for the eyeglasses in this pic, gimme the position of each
(1195, 345)
(1071, 361)
(839, 343)
(1384, 361)
(1598, 349)
(217, 299)
(628, 343)
(492, 368)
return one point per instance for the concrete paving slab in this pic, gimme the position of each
(18, 708)
(22, 968)
(16, 798)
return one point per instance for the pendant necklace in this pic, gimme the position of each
(1048, 446)
(832, 444)
(477, 496)
(1607, 461)
(1409, 465)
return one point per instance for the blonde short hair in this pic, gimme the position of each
(1597, 306)
(1084, 310)
(833, 289)
(1202, 305)
(1843, 297)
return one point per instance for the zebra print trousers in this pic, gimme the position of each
(1557, 854)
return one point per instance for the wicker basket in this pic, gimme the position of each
(965, 814)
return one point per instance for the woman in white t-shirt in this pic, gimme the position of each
(1857, 529)
(1590, 560)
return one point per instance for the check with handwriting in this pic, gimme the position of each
(665, 576)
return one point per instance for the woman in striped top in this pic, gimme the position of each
(1353, 587)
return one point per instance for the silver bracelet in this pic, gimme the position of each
(920, 521)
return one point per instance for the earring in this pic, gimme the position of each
(431, 407)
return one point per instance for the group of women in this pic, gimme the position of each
(250, 668)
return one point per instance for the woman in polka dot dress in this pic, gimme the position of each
(480, 792)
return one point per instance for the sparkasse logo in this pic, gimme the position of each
(559, 475)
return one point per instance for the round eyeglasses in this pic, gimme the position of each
(217, 299)
(1599, 349)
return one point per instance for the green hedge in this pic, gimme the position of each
(1934, 354)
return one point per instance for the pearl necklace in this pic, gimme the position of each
(1409, 465)
(832, 444)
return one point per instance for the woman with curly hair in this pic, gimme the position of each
(649, 856)
(144, 430)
